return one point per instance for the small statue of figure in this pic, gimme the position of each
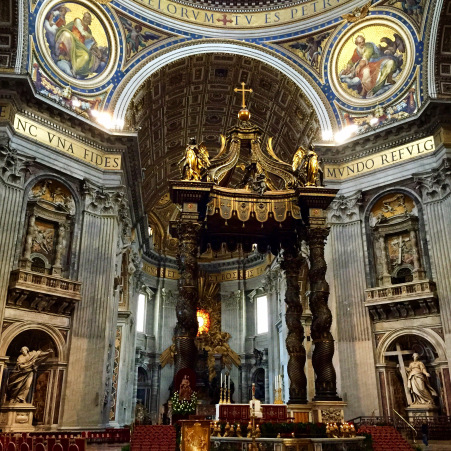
(185, 390)
(195, 162)
(312, 168)
(20, 379)
(307, 167)
(418, 384)
(259, 184)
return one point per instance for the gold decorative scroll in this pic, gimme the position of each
(380, 160)
(66, 145)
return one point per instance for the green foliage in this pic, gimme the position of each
(126, 447)
(183, 407)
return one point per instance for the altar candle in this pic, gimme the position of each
(280, 381)
(221, 379)
(228, 381)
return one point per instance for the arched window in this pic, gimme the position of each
(262, 314)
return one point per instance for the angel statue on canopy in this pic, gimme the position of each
(195, 163)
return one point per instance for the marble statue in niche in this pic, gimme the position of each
(418, 383)
(20, 379)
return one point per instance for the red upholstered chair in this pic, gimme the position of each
(40, 447)
(11, 446)
(24, 447)
(73, 447)
(81, 443)
(57, 447)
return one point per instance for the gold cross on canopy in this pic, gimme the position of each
(243, 91)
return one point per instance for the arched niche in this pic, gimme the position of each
(143, 387)
(395, 353)
(46, 386)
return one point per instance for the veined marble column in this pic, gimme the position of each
(436, 192)
(354, 339)
(186, 308)
(326, 379)
(86, 400)
(291, 264)
(13, 169)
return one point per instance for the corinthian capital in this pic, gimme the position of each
(436, 184)
(13, 167)
(102, 200)
(345, 208)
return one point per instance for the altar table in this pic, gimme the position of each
(234, 413)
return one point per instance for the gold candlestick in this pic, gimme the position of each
(221, 396)
(278, 396)
(228, 396)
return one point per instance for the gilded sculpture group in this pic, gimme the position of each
(306, 165)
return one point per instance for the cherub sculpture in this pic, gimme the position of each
(195, 163)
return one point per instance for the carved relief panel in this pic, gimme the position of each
(395, 235)
(50, 211)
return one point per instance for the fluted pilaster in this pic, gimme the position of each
(13, 169)
(354, 339)
(435, 188)
(95, 318)
(291, 264)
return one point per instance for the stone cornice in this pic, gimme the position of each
(434, 116)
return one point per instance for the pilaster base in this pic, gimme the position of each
(17, 417)
(328, 411)
(421, 411)
(302, 413)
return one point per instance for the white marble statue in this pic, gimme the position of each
(418, 384)
(20, 379)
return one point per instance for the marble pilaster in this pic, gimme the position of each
(354, 343)
(86, 403)
(435, 188)
(13, 170)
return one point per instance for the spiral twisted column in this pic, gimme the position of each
(326, 380)
(291, 264)
(186, 308)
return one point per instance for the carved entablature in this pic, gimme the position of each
(395, 233)
(39, 282)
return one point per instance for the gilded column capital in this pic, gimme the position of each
(13, 167)
(435, 185)
(344, 209)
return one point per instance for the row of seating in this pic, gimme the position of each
(153, 438)
(386, 438)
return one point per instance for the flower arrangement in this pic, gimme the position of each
(182, 406)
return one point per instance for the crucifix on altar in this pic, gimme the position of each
(402, 368)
